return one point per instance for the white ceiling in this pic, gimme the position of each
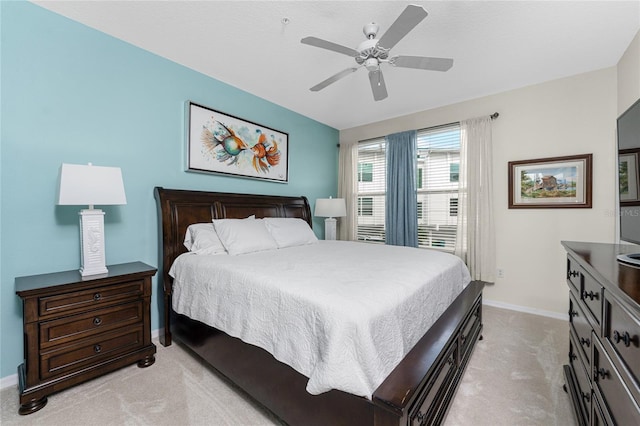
(496, 46)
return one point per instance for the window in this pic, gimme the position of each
(437, 175)
(454, 172)
(371, 192)
(453, 207)
(365, 172)
(365, 206)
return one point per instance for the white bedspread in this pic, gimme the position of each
(343, 314)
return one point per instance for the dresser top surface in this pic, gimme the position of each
(599, 259)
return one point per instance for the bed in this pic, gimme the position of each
(418, 390)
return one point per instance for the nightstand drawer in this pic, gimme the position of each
(79, 326)
(87, 352)
(89, 299)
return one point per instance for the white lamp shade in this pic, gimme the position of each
(330, 207)
(89, 185)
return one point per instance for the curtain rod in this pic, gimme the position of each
(492, 116)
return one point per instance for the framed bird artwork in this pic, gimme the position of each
(224, 144)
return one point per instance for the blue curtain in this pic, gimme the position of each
(401, 209)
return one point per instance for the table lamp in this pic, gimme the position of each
(91, 185)
(330, 208)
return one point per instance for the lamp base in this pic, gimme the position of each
(92, 256)
(330, 228)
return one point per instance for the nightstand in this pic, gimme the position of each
(78, 328)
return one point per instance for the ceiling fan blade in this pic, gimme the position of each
(324, 44)
(333, 79)
(377, 84)
(407, 21)
(422, 63)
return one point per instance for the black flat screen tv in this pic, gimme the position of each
(628, 126)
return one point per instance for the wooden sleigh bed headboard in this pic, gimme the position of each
(177, 209)
(418, 391)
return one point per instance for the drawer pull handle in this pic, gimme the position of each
(97, 349)
(573, 314)
(626, 338)
(97, 296)
(591, 295)
(585, 342)
(97, 321)
(601, 373)
(586, 396)
(421, 417)
(573, 273)
(572, 356)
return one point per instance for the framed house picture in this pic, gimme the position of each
(221, 143)
(628, 177)
(556, 182)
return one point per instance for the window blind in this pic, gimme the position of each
(438, 159)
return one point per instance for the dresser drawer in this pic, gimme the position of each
(591, 296)
(77, 301)
(582, 377)
(470, 330)
(79, 326)
(428, 407)
(581, 327)
(600, 417)
(87, 352)
(574, 273)
(615, 395)
(621, 330)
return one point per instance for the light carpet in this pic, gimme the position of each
(514, 377)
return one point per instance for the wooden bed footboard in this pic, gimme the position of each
(418, 391)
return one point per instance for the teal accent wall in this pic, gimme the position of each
(75, 95)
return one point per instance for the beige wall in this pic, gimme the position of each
(574, 115)
(629, 76)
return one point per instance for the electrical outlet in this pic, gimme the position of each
(500, 273)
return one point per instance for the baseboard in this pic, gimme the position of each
(525, 309)
(12, 380)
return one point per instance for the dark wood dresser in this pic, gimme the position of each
(79, 328)
(603, 374)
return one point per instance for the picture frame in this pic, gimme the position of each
(555, 182)
(224, 144)
(628, 177)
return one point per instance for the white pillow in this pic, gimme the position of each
(289, 232)
(201, 238)
(241, 236)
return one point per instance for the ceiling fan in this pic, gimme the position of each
(373, 52)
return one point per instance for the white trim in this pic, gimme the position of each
(12, 380)
(550, 314)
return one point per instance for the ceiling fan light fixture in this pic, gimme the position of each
(373, 51)
(371, 64)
